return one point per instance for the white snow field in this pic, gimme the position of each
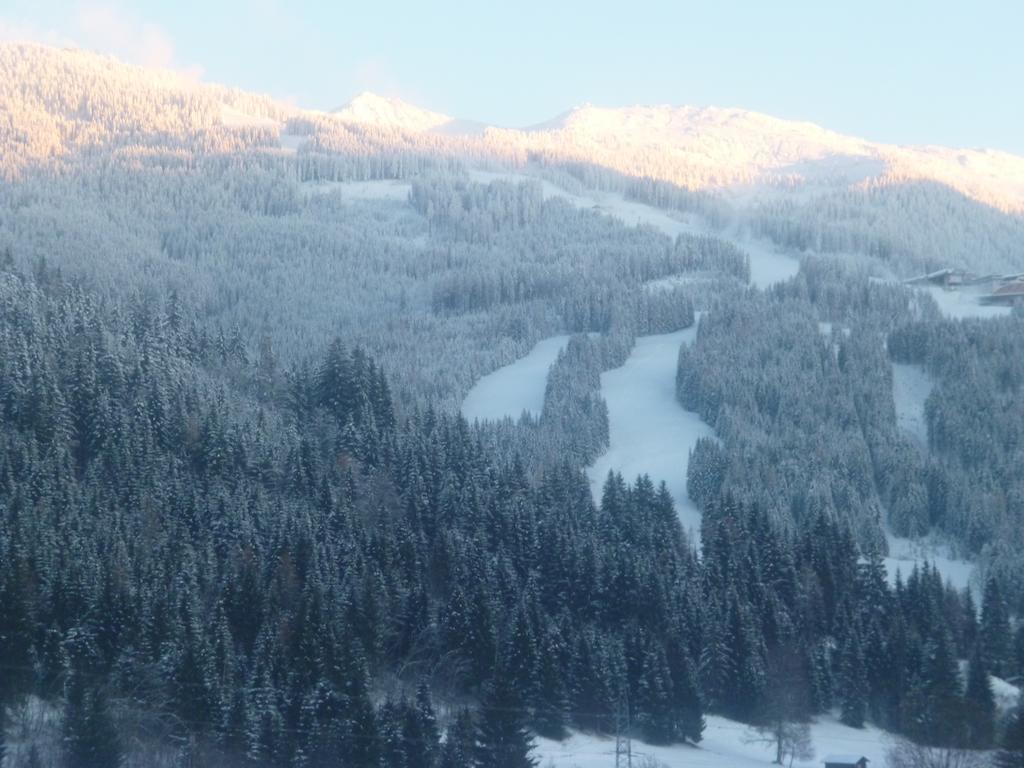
(911, 386)
(723, 746)
(904, 554)
(650, 432)
(516, 387)
(768, 265)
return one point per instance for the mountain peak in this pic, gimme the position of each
(373, 109)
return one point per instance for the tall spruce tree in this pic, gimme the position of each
(994, 633)
(979, 704)
(851, 686)
(1011, 751)
(90, 739)
(503, 741)
(459, 748)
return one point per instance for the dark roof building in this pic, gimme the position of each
(846, 761)
(1008, 293)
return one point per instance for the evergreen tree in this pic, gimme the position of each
(550, 717)
(940, 721)
(1011, 752)
(979, 704)
(420, 733)
(1018, 652)
(851, 685)
(503, 741)
(654, 711)
(459, 748)
(994, 633)
(90, 739)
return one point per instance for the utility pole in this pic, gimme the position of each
(623, 727)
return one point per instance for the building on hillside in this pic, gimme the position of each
(846, 761)
(1010, 292)
(947, 278)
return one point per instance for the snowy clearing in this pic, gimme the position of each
(964, 303)
(236, 118)
(723, 746)
(650, 431)
(911, 386)
(516, 387)
(675, 281)
(768, 265)
(904, 554)
(290, 142)
(384, 189)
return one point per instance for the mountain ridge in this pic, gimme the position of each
(740, 152)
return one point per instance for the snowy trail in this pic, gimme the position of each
(911, 386)
(516, 387)
(650, 432)
(768, 265)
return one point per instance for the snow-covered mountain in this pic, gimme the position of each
(370, 108)
(719, 148)
(57, 99)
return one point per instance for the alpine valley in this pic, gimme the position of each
(379, 437)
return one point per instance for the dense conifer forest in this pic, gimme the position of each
(285, 573)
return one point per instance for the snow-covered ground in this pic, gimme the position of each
(516, 387)
(744, 154)
(235, 118)
(290, 142)
(723, 746)
(768, 265)
(1007, 695)
(675, 281)
(911, 386)
(964, 303)
(383, 189)
(904, 554)
(650, 431)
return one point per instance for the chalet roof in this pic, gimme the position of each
(1010, 289)
(845, 759)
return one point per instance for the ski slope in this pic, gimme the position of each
(650, 432)
(515, 388)
(911, 386)
(768, 264)
(723, 746)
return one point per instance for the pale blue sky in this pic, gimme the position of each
(902, 71)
